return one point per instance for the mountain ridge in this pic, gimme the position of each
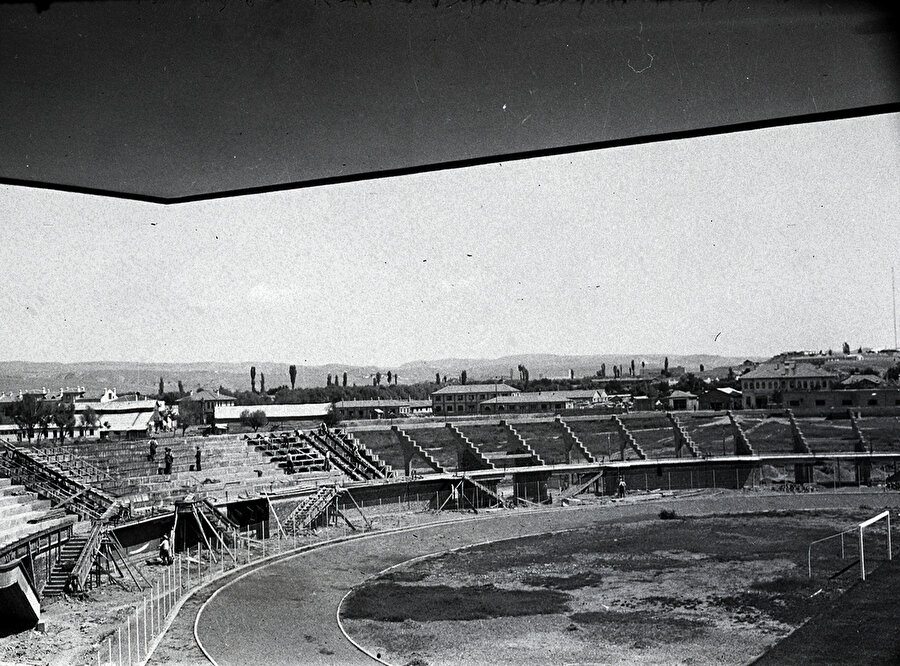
(124, 376)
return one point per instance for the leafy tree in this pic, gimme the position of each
(632, 367)
(390, 377)
(253, 378)
(690, 383)
(603, 369)
(377, 379)
(188, 415)
(64, 419)
(292, 372)
(893, 373)
(262, 382)
(396, 378)
(666, 366)
(463, 376)
(328, 381)
(255, 419)
(846, 348)
(28, 414)
(89, 418)
(702, 369)
(345, 380)
(180, 388)
(162, 387)
(437, 378)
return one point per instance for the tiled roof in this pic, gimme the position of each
(202, 395)
(114, 406)
(356, 404)
(476, 388)
(681, 394)
(862, 379)
(781, 370)
(530, 398)
(125, 422)
(295, 411)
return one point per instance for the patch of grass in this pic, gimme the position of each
(390, 602)
(644, 628)
(405, 576)
(573, 582)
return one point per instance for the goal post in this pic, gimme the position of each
(884, 515)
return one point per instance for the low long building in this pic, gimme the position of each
(381, 409)
(316, 411)
(843, 399)
(551, 402)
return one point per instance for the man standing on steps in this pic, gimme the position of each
(152, 454)
(197, 460)
(169, 459)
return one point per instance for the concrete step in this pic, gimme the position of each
(15, 510)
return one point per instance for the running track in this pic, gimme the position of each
(285, 612)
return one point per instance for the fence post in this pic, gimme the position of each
(109, 645)
(128, 635)
(119, 639)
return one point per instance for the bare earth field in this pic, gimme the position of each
(697, 590)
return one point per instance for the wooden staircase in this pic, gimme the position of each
(309, 511)
(58, 580)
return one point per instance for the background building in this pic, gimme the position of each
(462, 399)
(767, 384)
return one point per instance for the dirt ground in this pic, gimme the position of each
(716, 589)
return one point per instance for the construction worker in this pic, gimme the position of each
(197, 460)
(165, 550)
(152, 454)
(169, 459)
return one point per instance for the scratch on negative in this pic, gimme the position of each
(411, 72)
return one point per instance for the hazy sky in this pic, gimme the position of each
(747, 243)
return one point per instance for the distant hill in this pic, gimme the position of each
(98, 375)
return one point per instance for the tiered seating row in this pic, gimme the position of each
(17, 508)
